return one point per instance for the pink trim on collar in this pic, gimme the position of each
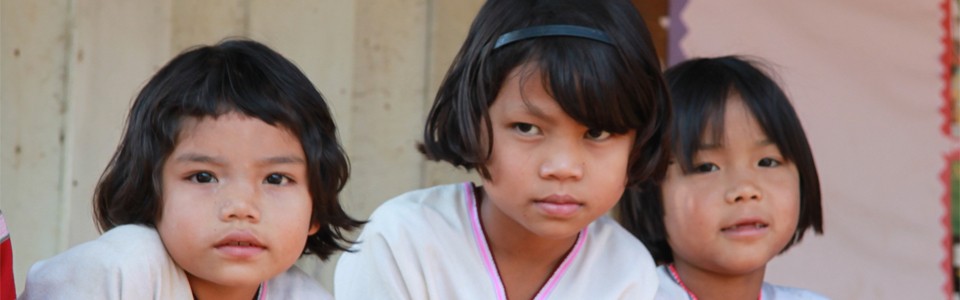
(555, 278)
(481, 242)
(262, 294)
(491, 266)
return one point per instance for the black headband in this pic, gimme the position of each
(552, 30)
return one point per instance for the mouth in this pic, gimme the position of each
(746, 228)
(239, 245)
(559, 205)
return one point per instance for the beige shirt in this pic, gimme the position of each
(130, 262)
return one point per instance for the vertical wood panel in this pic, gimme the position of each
(450, 22)
(318, 37)
(206, 22)
(388, 100)
(118, 45)
(32, 76)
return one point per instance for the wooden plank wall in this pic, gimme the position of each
(71, 68)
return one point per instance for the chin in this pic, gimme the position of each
(743, 267)
(551, 230)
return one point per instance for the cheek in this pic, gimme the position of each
(681, 209)
(295, 206)
(509, 161)
(790, 207)
(674, 227)
(184, 207)
(787, 197)
(671, 210)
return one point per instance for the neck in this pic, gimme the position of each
(203, 290)
(708, 285)
(509, 240)
(524, 260)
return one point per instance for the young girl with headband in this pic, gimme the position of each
(559, 105)
(742, 186)
(228, 171)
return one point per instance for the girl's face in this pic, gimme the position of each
(236, 207)
(738, 207)
(550, 175)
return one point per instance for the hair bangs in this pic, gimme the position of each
(770, 114)
(235, 84)
(700, 99)
(579, 79)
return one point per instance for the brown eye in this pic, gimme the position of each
(526, 129)
(768, 162)
(203, 177)
(276, 179)
(705, 168)
(597, 134)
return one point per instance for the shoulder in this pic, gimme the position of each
(420, 208)
(668, 289)
(610, 252)
(440, 197)
(779, 292)
(617, 242)
(295, 284)
(125, 261)
(122, 246)
(415, 238)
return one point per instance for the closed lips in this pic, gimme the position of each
(238, 243)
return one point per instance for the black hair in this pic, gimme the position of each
(239, 76)
(614, 87)
(700, 89)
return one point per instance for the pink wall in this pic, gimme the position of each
(865, 77)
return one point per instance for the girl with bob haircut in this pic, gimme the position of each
(740, 189)
(228, 171)
(560, 105)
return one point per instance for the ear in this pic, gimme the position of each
(314, 227)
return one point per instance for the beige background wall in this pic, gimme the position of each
(71, 68)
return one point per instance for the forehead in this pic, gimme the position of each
(737, 122)
(524, 88)
(233, 131)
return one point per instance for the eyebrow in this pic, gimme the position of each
(533, 109)
(198, 158)
(714, 146)
(290, 159)
(275, 160)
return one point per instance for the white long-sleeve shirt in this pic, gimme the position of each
(428, 244)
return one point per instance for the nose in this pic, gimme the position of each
(240, 202)
(563, 161)
(744, 188)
